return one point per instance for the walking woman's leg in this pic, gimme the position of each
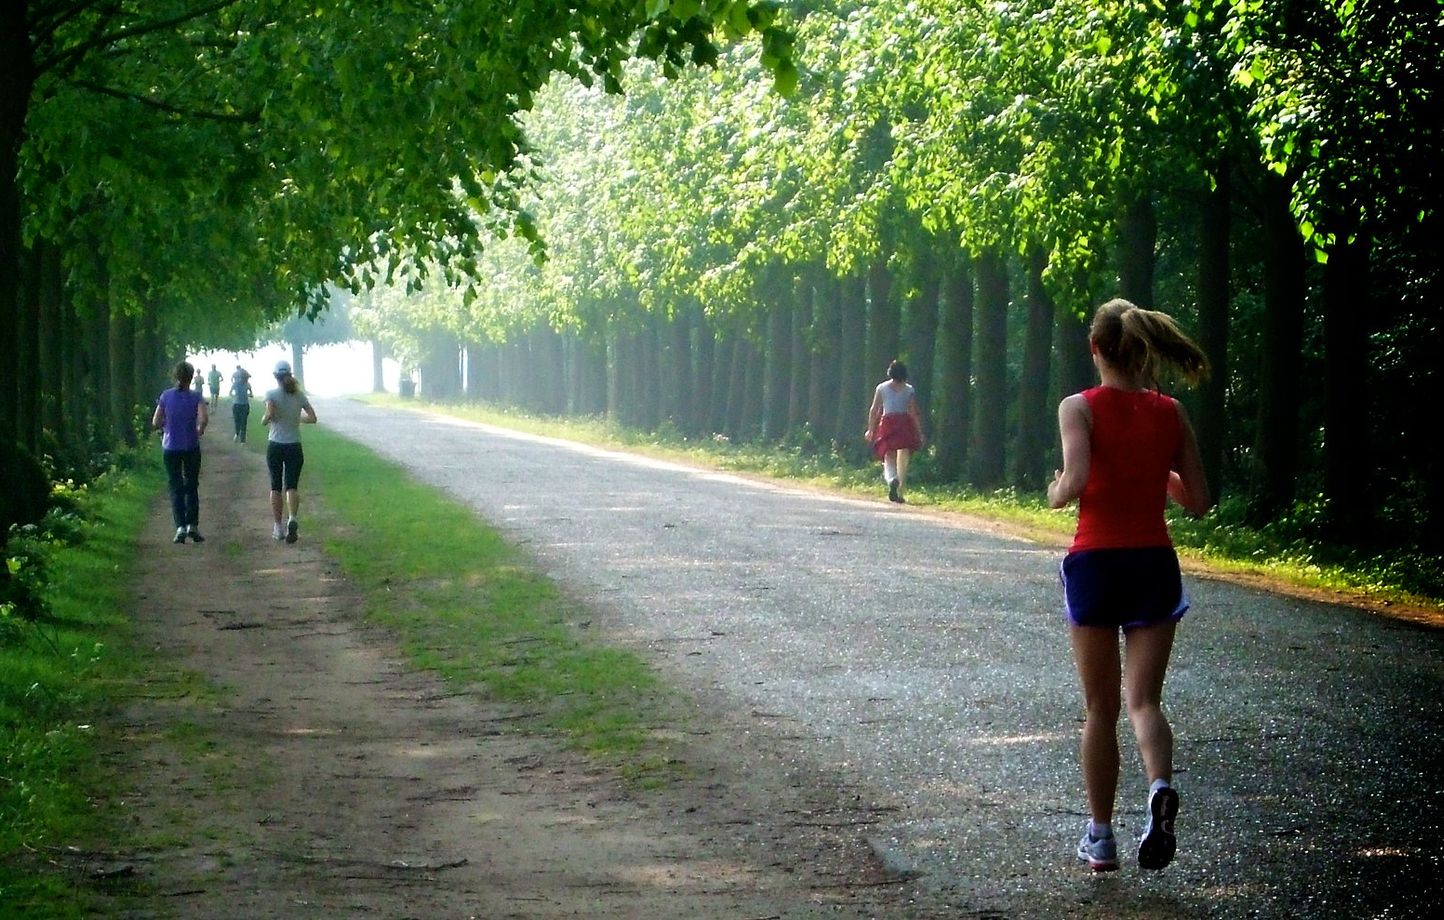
(275, 466)
(1148, 649)
(295, 459)
(1095, 653)
(175, 480)
(903, 456)
(192, 473)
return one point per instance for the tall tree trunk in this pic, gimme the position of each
(145, 360)
(1276, 442)
(122, 363)
(472, 352)
(1035, 428)
(78, 403)
(798, 384)
(717, 414)
(1213, 322)
(53, 335)
(883, 318)
(990, 433)
(1137, 245)
(954, 405)
(378, 376)
(777, 357)
(1348, 296)
(854, 393)
(298, 362)
(614, 339)
(678, 390)
(699, 405)
(822, 382)
(1432, 468)
(98, 364)
(922, 327)
(649, 382)
(738, 383)
(27, 353)
(17, 77)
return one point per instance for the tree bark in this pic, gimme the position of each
(726, 348)
(922, 328)
(1137, 245)
(1035, 422)
(1211, 419)
(53, 336)
(27, 353)
(800, 297)
(378, 376)
(122, 378)
(989, 444)
(777, 357)
(883, 319)
(823, 355)
(954, 405)
(854, 394)
(699, 405)
(1276, 438)
(1348, 293)
(18, 78)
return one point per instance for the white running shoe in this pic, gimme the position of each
(1100, 853)
(1156, 848)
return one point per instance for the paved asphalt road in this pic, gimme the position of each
(926, 664)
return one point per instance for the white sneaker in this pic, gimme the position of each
(1157, 847)
(277, 533)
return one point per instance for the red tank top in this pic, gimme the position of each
(1134, 439)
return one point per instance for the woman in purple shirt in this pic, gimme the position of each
(181, 414)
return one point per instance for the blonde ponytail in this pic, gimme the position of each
(1141, 342)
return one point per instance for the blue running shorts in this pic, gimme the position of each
(1122, 587)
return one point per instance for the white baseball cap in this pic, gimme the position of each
(282, 368)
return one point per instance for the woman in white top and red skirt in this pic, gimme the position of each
(894, 428)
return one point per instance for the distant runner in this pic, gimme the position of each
(287, 408)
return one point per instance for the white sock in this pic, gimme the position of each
(1158, 784)
(889, 469)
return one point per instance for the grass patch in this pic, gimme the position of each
(59, 678)
(1289, 551)
(471, 608)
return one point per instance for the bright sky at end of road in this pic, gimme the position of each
(330, 370)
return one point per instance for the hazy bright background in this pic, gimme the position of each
(330, 370)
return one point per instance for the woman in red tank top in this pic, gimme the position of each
(1127, 449)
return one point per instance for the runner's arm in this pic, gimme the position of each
(1073, 426)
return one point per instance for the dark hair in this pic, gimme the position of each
(183, 374)
(1138, 341)
(897, 371)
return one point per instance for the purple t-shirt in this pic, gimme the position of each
(181, 408)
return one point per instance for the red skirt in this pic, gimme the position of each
(898, 431)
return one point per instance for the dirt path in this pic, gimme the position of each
(311, 774)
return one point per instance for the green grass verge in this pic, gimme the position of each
(472, 608)
(59, 679)
(1288, 551)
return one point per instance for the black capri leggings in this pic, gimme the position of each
(284, 462)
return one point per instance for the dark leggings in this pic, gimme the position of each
(241, 412)
(284, 462)
(183, 468)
